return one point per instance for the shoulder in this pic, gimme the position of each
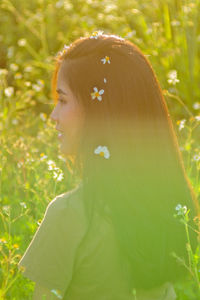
(68, 201)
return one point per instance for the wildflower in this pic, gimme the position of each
(3, 72)
(58, 176)
(57, 293)
(36, 87)
(28, 68)
(106, 59)
(18, 75)
(63, 51)
(23, 204)
(105, 80)
(97, 94)
(16, 246)
(40, 82)
(62, 158)
(14, 121)
(22, 42)
(197, 118)
(172, 77)
(43, 116)
(14, 67)
(96, 34)
(102, 151)
(196, 157)
(6, 209)
(43, 156)
(175, 23)
(196, 105)
(3, 241)
(181, 210)
(181, 123)
(9, 91)
(19, 164)
(51, 165)
(27, 83)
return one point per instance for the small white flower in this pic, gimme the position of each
(197, 118)
(175, 23)
(18, 75)
(196, 105)
(43, 116)
(23, 204)
(62, 158)
(51, 164)
(40, 82)
(9, 91)
(14, 67)
(57, 293)
(43, 156)
(172, 75)
(28, 68)
(22, 42)
(102, 151)
(181, 124)
(97, 94)
(27, 83)
(63, 51)
(3, 72)
(96, 34)
(114, 36)
(106, 59)
(36, 87)
(58, 175)
(105, 80)
(14, 121)
(19, 164)
(181, 210)
(196, 157)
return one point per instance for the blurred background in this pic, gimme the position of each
(32, 169)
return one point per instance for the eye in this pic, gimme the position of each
(62, 101)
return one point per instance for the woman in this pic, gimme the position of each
(114, 233)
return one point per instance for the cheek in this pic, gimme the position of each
(71, 120)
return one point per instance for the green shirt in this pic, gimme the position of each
(91, 270)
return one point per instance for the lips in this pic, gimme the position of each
(60, 134)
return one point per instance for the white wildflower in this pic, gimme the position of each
(3, 72)
(182, 124)
(102, 151)
(22, 42)
(97, 94)
(172, 77)
(14, 67)
(43, 116)
(9, 91)
(181, 210)
(196, 105)
(196, 157)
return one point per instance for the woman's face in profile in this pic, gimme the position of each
(68, 115)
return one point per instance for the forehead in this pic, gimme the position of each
(62, 83)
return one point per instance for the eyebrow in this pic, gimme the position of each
(60, 91)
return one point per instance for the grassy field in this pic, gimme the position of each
(32, 171)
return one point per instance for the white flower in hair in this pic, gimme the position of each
(95, 34)
(64, 50)
(105, 80)
(97, 94)
(106, 59)
(102, 151)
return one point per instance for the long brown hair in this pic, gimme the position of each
(144, 178)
